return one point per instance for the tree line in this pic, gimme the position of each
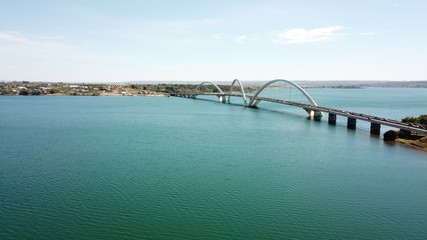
(420, 120)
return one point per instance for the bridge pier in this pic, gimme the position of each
(310, 113)
(404, 133)
(222, 99)
(316, 115)
(375, 128)
(255, 104)
(351, 123)
(332, 119)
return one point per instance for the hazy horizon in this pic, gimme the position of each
(222, 81)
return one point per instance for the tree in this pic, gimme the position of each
(24, 92)
(413, 120)
(423, 119)
(53, 91)
(36, 92)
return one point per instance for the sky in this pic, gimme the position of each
(221, 40)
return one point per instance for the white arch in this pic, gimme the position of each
(241, 90)
(252, 102)
(207, 82)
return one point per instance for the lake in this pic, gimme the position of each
(174, 168)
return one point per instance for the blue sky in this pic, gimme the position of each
(110, 41)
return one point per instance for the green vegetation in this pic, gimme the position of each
(421, 120)
(409, 138)
(184, 88)
(27, 88)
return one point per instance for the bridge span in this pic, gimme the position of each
(314, 111)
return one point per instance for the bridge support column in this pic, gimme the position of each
(332, 119)
(222, 99)
(310, 113)
(404, 133)
(351, 123)
(316, 115)
(255, 104)
(375, 128)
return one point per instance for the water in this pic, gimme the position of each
(174, 168)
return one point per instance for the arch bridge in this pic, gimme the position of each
(253, 101)
(314, 111)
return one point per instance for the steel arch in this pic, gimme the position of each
(206, 82)
(241, 90)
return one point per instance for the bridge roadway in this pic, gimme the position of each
(351, 123)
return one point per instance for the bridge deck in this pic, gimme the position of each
(360, 116)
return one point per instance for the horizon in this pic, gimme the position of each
(215, 81)
(190, 41)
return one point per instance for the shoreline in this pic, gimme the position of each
(405, 142)
(101, 95)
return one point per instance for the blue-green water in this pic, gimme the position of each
(175, 168)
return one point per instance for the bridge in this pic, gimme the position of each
(314, 111)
